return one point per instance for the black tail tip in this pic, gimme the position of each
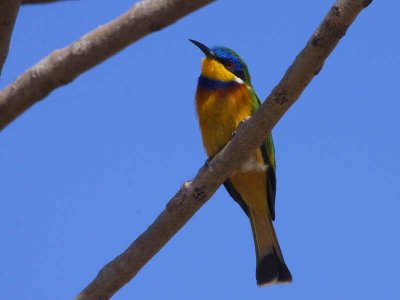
(271, 270)
(284, 274)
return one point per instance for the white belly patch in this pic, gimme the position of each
(253, 165)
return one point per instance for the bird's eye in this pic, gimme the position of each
(228, 64)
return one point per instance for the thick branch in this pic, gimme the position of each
(63, 66)
(8, 14)
(250, 135)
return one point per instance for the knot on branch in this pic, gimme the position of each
(187, 191)
(335, 10)
(281, 97)
(321, 42)
(317, 41)
(199, 194)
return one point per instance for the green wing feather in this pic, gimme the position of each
(268, 153)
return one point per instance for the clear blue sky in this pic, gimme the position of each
(85, 171)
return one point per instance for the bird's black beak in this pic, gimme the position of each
(203, 48)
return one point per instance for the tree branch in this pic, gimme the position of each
(42, 1)
(250, 135)
(63, 66)
(8, 14)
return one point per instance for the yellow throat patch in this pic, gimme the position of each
(214, 70)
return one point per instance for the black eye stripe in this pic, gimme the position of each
(240, 74)
(229, 64)
(225, 62)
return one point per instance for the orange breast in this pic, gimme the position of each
(219, 113)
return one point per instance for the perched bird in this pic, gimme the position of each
(224, 98)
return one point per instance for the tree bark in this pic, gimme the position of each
(42, 1)
(249, 136)
(8, 14)
(63, 66)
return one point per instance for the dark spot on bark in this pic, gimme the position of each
(336, 10)
(317, 41)
(366, 2)
(199, 194)
(280, 97)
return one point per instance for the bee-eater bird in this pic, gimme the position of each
(224, 98)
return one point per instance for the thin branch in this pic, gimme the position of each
(43, 1)
(8, 14)
(63, 66)
(250, 135)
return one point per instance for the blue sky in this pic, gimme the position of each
(85, 171)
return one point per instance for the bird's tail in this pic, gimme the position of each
(271, 267)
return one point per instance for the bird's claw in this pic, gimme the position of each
(244, 120)
(240, 124)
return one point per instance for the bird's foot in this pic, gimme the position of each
(240, 124)
(244, 120)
